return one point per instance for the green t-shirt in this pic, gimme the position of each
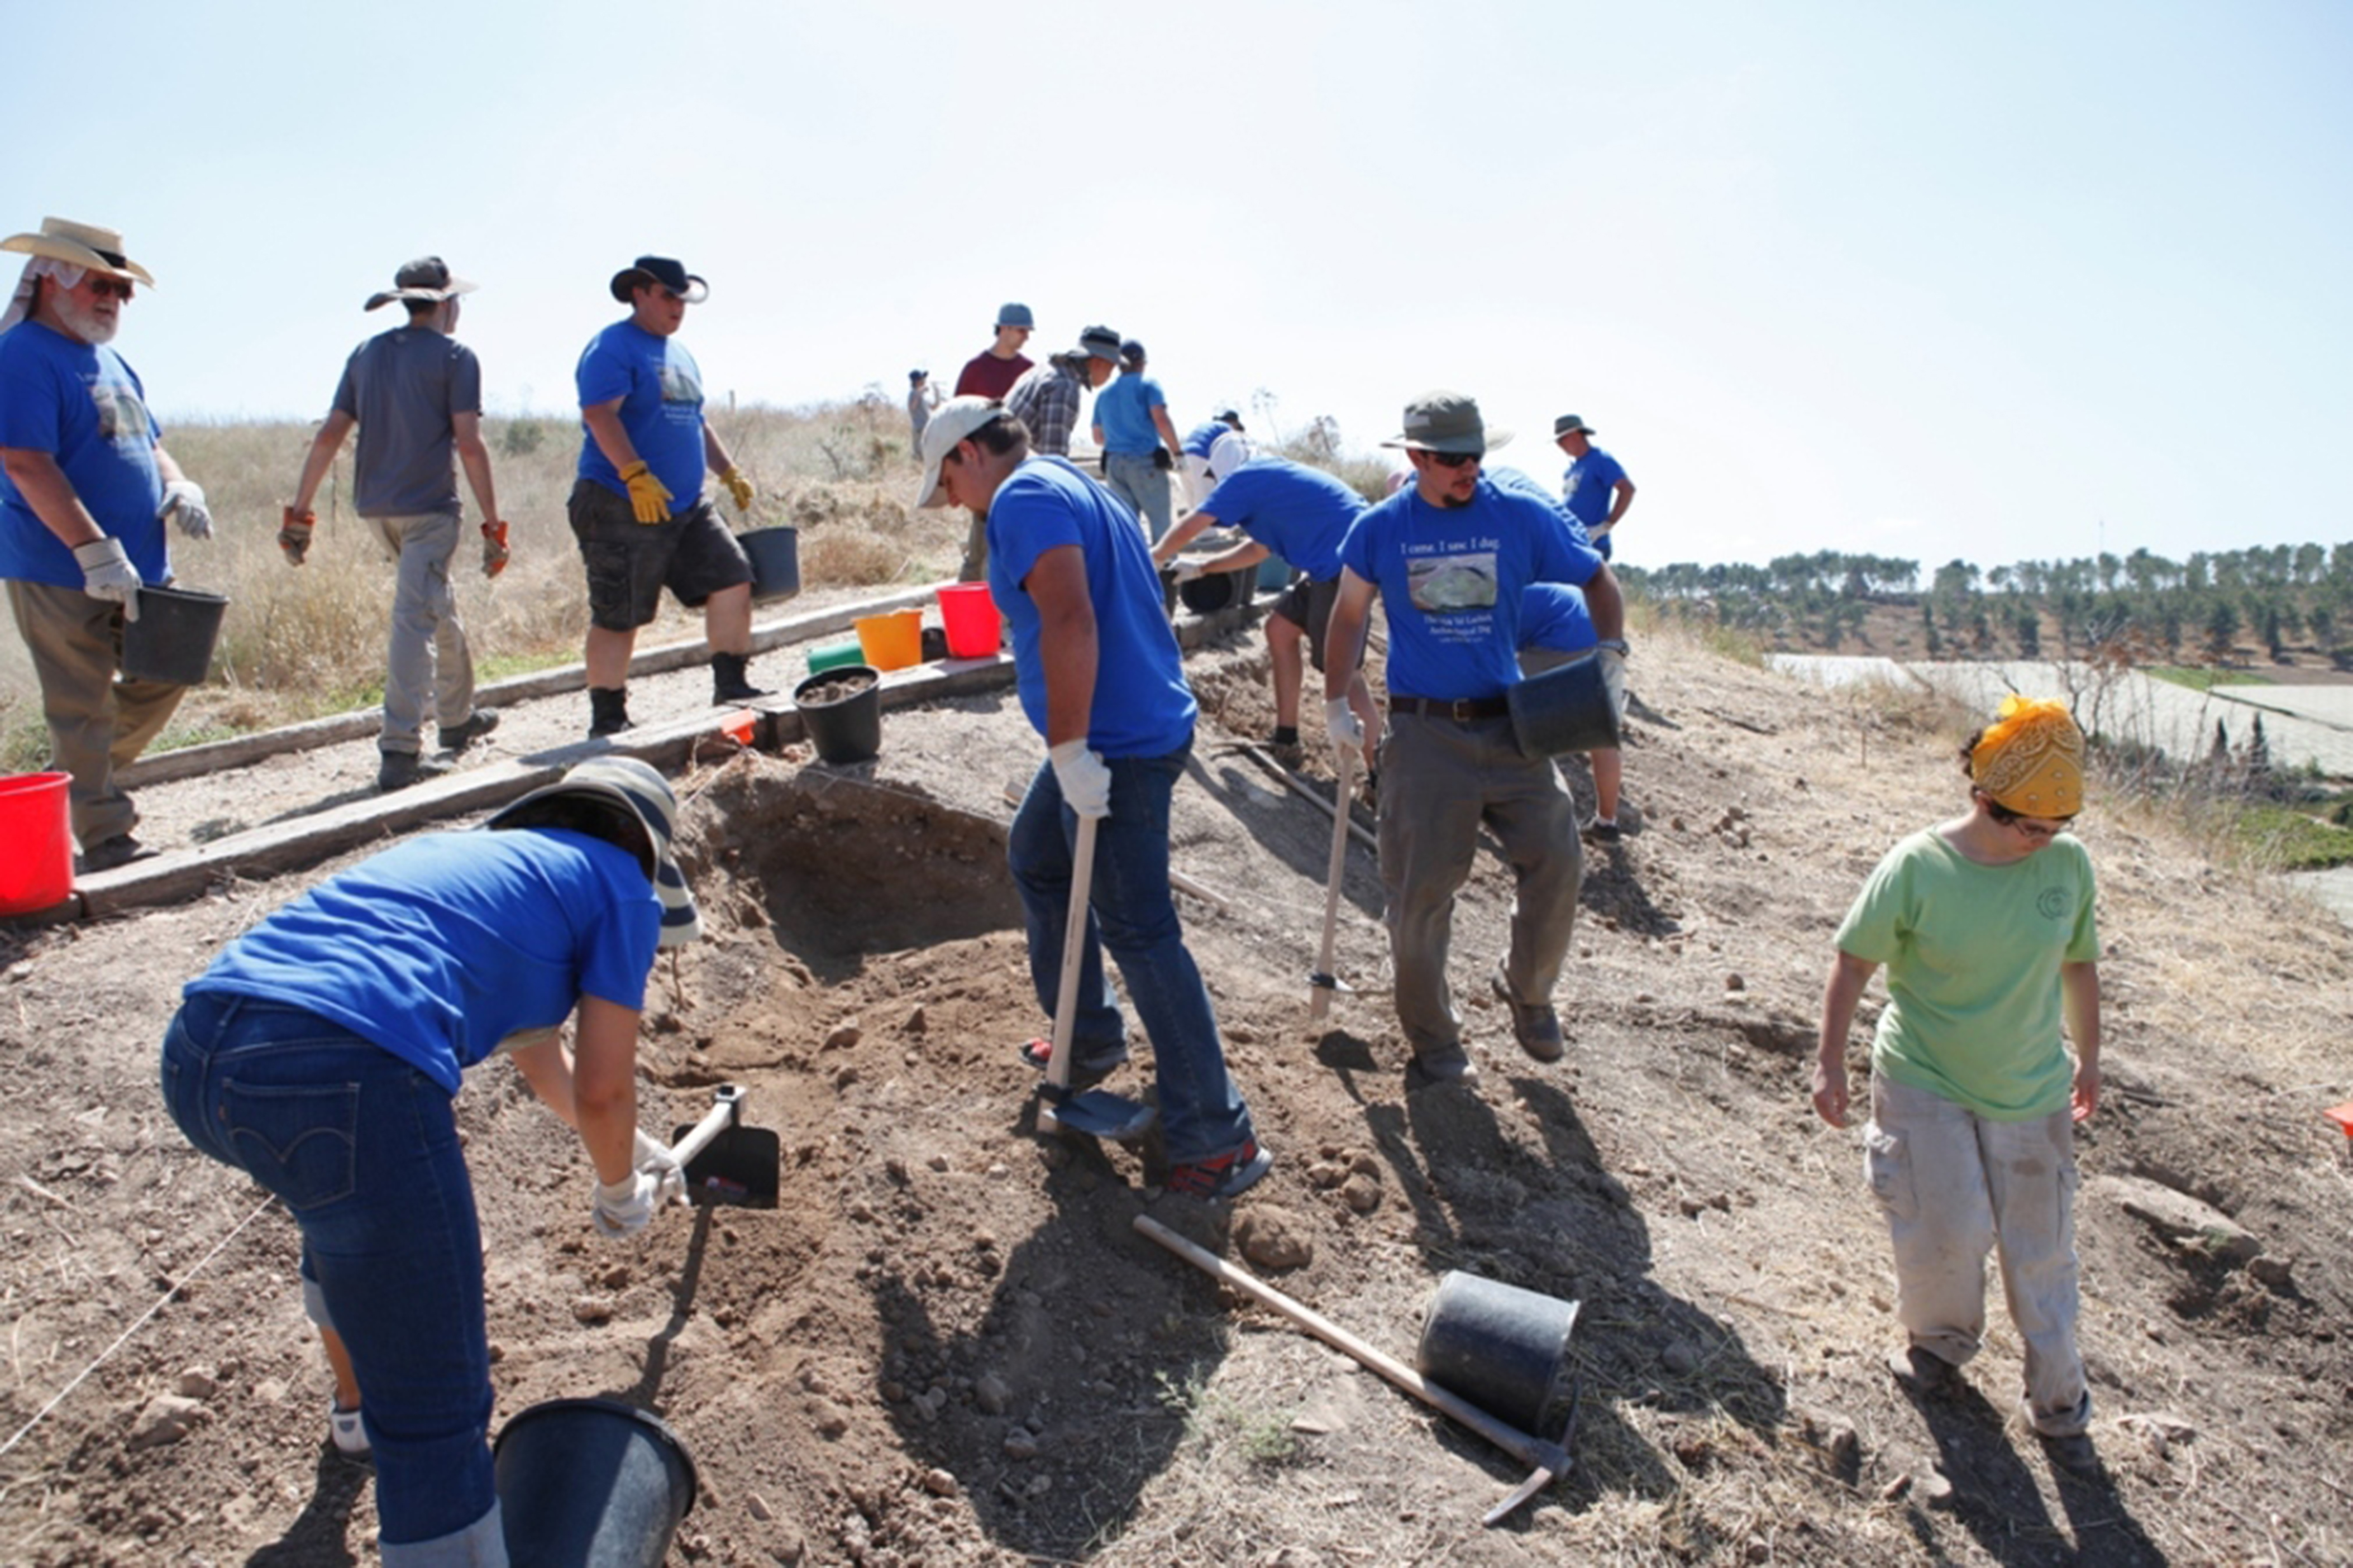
(1973, 954)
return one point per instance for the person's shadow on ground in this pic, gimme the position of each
(1996, 1501)
(319, 1536)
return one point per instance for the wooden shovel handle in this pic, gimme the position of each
(1320, 994)
(1075, 941)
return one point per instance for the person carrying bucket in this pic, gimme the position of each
(1985, 925)
(86, 488)
(321, 1054)
(1102, 682)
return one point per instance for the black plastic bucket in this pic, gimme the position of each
(1564, 709)
(848, 728)
(1503, 1349)
(590, 1483)
(776, 557)
(1206, 595)
(173, 639)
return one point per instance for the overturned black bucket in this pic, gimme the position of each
(841, 709)
(1503, 1349)
(1215, 591)
(173, 639)
(1564, 709)
(776, 557)
(590, 1483)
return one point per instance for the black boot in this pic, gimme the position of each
(727, 678)
(609, 711)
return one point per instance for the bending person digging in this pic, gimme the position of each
(1101, 679)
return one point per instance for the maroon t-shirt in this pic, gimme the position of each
(988, 376)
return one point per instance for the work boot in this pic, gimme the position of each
(1536, 1028)
(609, 711)
(479, 723)
(1283, 746)
(109, 853)
(1442, 1064)
(401, 769)
(727, 678)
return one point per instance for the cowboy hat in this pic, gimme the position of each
(649, 272)
(83, 245)
(428, 278)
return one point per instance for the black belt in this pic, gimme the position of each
(1461, 713)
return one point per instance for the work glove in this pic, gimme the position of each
(1084, 778)
(739, 485)
(654, 1159)
(1185, 571)
(294, 533)
(1348, 730)
(495, 553)
(648, 497)
(1163, 459)
(107, 573)
(184, 503)
(624, 1207)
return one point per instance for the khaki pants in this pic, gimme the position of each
(97, 723)
(1956, 1185)
(429, 659)
(1440, 780)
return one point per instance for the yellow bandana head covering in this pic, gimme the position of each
(2031, 759)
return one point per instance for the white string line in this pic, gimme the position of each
(121, 1339)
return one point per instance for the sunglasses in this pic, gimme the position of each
(2031, 826)
(116, 288)
(1453, 459)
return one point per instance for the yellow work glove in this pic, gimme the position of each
(648, 497)
(739, 485)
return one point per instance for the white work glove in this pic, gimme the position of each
(624, 1207)
(1347, 730)
(654, 1159)
(1186, 570)
(107, 573)
(1084, 778)
(184, 503)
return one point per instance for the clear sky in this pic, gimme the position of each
(1998, 280)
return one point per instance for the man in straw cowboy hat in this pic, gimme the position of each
(1450, 555)
(87, 488)
(415, 395)
(637, 509)
(1985, 925)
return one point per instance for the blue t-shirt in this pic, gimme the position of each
(1515, 480)
(1201, 438)
(1125, 409)
(1141, 706)
(1553, 616)
(1587, 488)
(83, 407)
(1298, 512)
(1451, 580)
(661, 389)
(441, 947)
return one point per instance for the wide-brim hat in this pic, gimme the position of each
(83, 245)
(1446, 421)
(646, 795)
(665, 271)
(951, 422)
(427, 279)
(1570, 425)
(1098, 342)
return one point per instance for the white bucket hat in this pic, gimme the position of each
(646, 795)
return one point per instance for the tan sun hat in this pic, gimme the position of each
(427, 278)
(80, 245)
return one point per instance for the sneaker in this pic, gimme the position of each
(1228, 1176)
(1923, 1374)
(1290, 754)
(1448, 1063)
(351, 1437)
(1602, 830)
(457, 737)
(120, 850)
(1537, 1028)
(2073, 1454)
(1088, 1066)
(401, 769)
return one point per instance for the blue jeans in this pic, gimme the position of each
(362, 1149)
(1132, 912)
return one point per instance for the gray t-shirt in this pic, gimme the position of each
(402, 386)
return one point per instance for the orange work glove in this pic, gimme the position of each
(495, 553)
(294, 534)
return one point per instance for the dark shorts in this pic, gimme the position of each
(630, 562)
(1308, 606)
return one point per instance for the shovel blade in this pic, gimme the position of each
(1098, 1113)
(737, 1169)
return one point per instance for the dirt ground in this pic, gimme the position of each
(947, 1345)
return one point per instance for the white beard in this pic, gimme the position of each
(87, 326)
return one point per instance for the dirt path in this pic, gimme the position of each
(947, 1346)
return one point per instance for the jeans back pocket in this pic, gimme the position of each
(301, 1141)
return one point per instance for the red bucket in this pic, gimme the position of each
(968, 615)
(37, 865)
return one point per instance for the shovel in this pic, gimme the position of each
(726, 1161)
(1098, 1113)
(1323, 982)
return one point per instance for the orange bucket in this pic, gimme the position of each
(894, 641)
(37, 867)
(968, 615)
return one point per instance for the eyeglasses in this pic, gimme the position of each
(1454, 459)
(2031, 826)
(116, 288)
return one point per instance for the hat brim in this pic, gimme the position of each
(1453, 446)
(1575, 430)
(604, 779)
(458, 286)
(72, 252)
(626, 279)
